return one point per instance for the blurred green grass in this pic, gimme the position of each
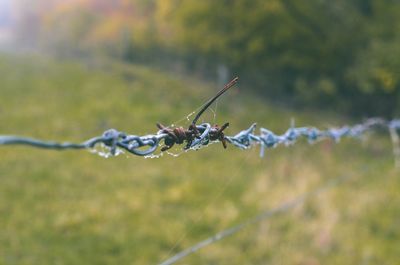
(74, 207)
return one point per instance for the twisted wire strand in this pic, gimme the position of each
(203, 134)
(267, 139)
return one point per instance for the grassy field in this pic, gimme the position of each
(75, 207)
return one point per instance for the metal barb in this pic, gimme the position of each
(192, 135)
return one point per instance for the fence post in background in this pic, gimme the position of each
(396, 146)
(222, 74)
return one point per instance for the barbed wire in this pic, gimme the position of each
(267, 139)
(198, 136)
(284, 207)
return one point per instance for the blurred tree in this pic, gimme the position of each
(341, 53)
(376, 71)
(315, 50)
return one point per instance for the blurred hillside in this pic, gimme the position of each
(340, 55)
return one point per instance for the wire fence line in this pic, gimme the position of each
(284, 207)
(396, 145)
(201, 135)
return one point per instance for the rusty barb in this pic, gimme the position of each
(180, 135)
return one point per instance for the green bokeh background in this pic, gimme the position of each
(75, 207)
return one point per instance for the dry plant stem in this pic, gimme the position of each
(208, 104)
